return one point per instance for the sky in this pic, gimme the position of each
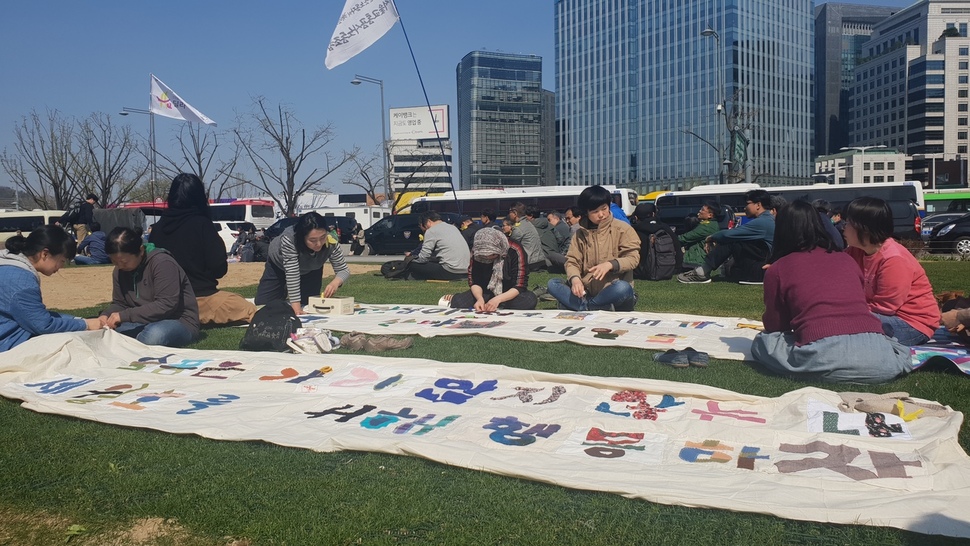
(84, 57)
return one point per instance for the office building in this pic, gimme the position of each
(656, 94)
(911, 90)
(500, 120)
(840, 32)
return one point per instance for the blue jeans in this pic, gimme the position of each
(81, 259)
(899, 329)
(170, 333)
(617, 294)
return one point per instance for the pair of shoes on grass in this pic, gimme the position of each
(312, 341)
(542, 293)
(356, 341)
(683, 359)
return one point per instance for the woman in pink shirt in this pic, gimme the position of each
(897, 290)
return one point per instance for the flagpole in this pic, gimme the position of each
(153, 161)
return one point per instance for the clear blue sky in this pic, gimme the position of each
(83, 57)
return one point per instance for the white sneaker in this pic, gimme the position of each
(691, 277)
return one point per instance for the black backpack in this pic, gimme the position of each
(396, 270)
(661, 258)
(270, 328)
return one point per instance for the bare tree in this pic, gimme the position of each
(199, 146)
(279, 148)
(41, 162)
(365, 173)
(104, 160)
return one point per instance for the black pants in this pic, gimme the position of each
(749, 257)
(432, 271)
(524, 301)
(272, 285)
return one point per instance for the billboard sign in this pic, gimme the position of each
(416, 123)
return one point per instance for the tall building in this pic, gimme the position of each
(500, 120)
(657, 94)
(911, 90)
(840, 32)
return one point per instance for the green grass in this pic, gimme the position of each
(59, 471)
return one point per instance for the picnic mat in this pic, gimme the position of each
(721, 337)
(943, 352)
(796, 456)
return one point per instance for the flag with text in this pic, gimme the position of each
(362, 22)
(166, 102)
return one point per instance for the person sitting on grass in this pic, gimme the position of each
(693, 242)
(748, 244)
(817, 323)
(152, 298)
(444, 253)
(526, 234)
(600, 260)
(294, 264)
(22, 312)
(91, 250)
(497, 275)
(897, 289)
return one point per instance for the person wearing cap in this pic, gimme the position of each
(497, 275)
(468, 229)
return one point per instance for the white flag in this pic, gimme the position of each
(362, 23)
(166, 102)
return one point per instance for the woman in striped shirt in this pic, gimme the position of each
(294, 266)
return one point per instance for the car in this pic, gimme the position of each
(933, 220)
(343, 224)
(399, 233)
(229, 231)
(951, 237)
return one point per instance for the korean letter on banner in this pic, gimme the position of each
(166, 102)
(361, 23)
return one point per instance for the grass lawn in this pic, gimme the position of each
(70, 481)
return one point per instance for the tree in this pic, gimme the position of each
(362, 175)
(42, 161)
(280, 150)
(199, 146)
(104, 161)
(951, 32)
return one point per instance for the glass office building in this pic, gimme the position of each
(647, 98)
(500, 121)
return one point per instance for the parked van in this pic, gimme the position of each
(25, 221)
(399, 233)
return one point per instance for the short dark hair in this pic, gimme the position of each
(307, 223)
(429, 216)
(123, 239)
(576, 212)
(822, 206)
(92, 197)
(488, 213)
(532, 211)
(518, 208)
(95, 226)
(715, 208)
(798, 228)
(777, 202)
(759, 196)
(871, 217)
(53, 238)
(593, 198)
(188, 192)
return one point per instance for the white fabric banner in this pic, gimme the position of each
(362, 22)
(166, 102)
(721, 337)
(796, 456)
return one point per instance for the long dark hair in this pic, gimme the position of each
(188, 192)
(798, 228)
(53, 238)
(307, 223)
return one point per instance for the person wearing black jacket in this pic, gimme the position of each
(645, 223)
(187, 232)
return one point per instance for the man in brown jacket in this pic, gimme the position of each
(600, 261)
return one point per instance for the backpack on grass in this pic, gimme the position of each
(396, 270)
(270, 328)
(661, 259)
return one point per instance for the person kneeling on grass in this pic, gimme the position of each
(22, 311)
(152, 299)
(817, 323)
(498, 275)
(602, 256)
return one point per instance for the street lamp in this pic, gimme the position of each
(720, 107)
(387, 173)
(862, 159)
(151, 139)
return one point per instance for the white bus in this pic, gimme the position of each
(365, 215)
(905, 199)
(499, 201)
(25, 221)
(259, 212)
